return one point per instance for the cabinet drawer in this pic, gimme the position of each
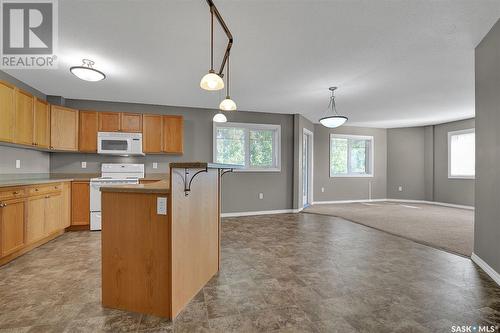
(45, 188)
(11, 193)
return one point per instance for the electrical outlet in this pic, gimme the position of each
(84, 165)
(161, 206)
(155, 165)
(261, 196)
(400, 188)
(18, 164)
(322, 190)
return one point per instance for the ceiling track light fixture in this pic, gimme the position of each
(86, 71)
(213, 81)
(334, 120)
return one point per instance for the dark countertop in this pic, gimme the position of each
(203, 165)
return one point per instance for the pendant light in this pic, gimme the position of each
(212, 81)
(335, 120)
(228, 104)
(219, 118)
(86, 72)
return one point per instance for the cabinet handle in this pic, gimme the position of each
(2, 205)
(36, 190)
(15, 193)
(47, 196)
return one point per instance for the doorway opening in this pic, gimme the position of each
(307, 168)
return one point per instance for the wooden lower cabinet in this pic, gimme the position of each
(31, 216)
(35, 226)
(12, 217)
(80, 203)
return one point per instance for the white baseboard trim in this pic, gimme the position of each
(437, 203)
(346, 201)
(487, 268)
(395, 200)
(262, 212)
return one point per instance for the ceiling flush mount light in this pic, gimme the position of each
(213, 81)
(334, 120)
(219, 118)
(228, 104)
(86, 72)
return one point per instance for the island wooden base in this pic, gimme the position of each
(155, 264)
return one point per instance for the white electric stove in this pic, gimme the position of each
(111, 174)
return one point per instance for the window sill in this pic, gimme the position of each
(257, 170)
(462, 177)
(351, 176)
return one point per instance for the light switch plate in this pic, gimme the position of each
(18, 164)
(155, 165)
(400, 188)
(161, 206)
(261, 196)
(84, 165)
(322, 190)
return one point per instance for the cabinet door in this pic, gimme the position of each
(151, 133)
(35, 224)
(109, 121)
(66, 206)
(41, 124)
(63, 128)
(88, 126)
(53, 213)
(131, 122)
(12, 225)
(7, 111)
(173, 134)
(23, 129)
(80, 203)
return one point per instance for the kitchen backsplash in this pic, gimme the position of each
(23, 161)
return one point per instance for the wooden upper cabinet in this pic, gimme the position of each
(109, 121)
(152, 133)
(41, 124)
(63, 128)
(131, 122)
(7, 112)
(87, 133)
(23, 129)
(173, 134)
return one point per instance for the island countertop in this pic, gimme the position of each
(159, 187)
(204, 165)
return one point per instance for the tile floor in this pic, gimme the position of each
(283, 273)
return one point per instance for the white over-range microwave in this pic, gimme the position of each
(124, 144)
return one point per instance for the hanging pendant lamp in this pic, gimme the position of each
(228, 104)
(334, 120)
(212, 81)
(219, 118)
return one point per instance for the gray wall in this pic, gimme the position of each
(348, 188)
(487, 214)
(32, 162)
(406, 163)
(240, 191)
(456, 191)
(300, 123)
(429, 162)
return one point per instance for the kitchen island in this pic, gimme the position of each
(161, 241)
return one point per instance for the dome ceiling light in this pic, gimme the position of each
(334, 120)
(86, 71)
(228, 104)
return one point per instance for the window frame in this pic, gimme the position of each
(356, 137)
(458, 132)
(247, 127)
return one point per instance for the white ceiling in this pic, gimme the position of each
(397, 63)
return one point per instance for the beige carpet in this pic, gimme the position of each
(451, 229)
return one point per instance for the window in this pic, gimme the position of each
(461, 154)
(351, 156)
(255, 146)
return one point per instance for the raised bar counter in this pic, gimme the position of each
(161, 241)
